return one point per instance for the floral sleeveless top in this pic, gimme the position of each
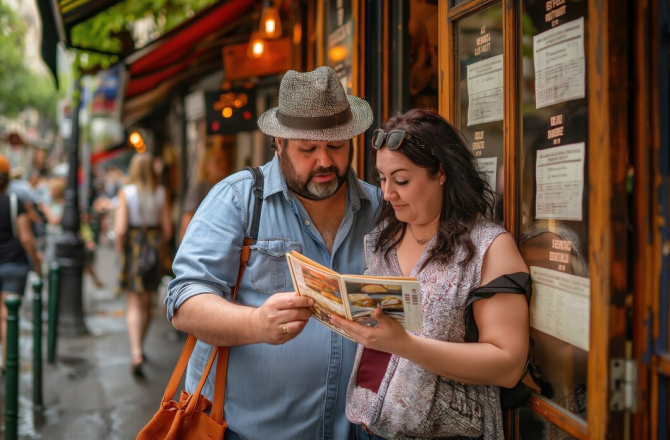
(413, 403)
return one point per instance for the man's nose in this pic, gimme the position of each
(324, 158)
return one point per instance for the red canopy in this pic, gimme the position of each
(179, 49)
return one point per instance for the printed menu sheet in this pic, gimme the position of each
(489, 165)
(560, 306)
(559, 175)
(485, 90)
(560, 72)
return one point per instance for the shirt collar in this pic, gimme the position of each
(275, 183)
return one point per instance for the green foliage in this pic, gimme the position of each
(110, 30)
(20, 87)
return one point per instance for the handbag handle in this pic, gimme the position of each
(222, 352)
(222, 365)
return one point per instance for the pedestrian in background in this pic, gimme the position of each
(435, 225)
(17, 250)
(142, 230)
(213, 167)
(53, 211)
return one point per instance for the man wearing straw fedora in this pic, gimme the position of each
(287, 375)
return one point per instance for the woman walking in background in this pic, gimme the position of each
(213, 167)
(142, 227)
(16, 245)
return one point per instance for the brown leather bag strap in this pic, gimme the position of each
(178, 372)
(224, 352)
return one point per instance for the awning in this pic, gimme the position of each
(58, 17)
(193, 49)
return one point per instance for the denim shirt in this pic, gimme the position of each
(296, 390)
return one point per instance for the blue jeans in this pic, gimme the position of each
(13, 277)
(362, 435)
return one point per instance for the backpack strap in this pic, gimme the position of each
(257, 191)
(13, 214)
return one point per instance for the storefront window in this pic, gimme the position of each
(553, 206)
(340, 40)
(479, 93)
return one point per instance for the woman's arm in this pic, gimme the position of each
(166, 223)
(28, 242)
(185, 220)
(499, 356)
(120, 221)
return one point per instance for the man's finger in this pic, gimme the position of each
(293, 301)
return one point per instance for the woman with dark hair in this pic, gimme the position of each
(443, 381)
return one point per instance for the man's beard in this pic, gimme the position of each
(309, 189)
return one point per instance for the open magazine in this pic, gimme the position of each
(355, 297)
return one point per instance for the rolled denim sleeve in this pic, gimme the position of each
(207, 261)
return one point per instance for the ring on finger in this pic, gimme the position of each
(284, 329)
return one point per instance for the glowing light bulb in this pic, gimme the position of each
(227, 112)
(270, 26)
(135, 138)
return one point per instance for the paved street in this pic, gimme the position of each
(89, 393)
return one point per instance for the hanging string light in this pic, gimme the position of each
(269, 28)
(270, 24)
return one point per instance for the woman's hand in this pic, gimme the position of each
(388, 335)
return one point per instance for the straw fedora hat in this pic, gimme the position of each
(314, 106)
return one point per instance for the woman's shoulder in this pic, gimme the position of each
(485, 230)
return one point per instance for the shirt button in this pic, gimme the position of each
(307, 223)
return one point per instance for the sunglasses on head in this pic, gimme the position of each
(394, 139)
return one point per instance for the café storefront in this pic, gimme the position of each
(565, 105)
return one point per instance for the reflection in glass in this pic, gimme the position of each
(554, 230)
(479, 93)
(423, 70)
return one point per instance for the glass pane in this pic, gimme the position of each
(423, 80)
(479, 92)
(340, 40)
(458, 2)
(554, 205)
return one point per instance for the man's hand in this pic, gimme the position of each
(282, 317)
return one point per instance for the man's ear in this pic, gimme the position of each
(278, 143)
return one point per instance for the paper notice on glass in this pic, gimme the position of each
(560, 306)
(559, 64)
(559, 175)
(489, 165)
(485, 91)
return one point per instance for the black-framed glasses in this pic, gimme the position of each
(394, 139)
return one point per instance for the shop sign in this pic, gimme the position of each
(231, 111)
(276, 59)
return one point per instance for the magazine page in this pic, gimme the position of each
(322, 285)
(399, 298)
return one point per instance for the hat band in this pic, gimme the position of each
(317, 122)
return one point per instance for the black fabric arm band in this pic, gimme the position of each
(519, 283)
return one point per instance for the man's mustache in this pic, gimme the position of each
(323, 170)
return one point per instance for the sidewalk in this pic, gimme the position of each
(90, 394)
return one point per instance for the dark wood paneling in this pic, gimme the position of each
(643, 269)
(512, 93)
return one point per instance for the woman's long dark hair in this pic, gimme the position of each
(466, 195)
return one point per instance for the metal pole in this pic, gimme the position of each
(52, 334)
(37, 343)
(13, 302)
(70, 248)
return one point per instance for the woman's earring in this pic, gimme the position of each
(441, 183)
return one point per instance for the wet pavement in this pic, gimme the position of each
(89, 393)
